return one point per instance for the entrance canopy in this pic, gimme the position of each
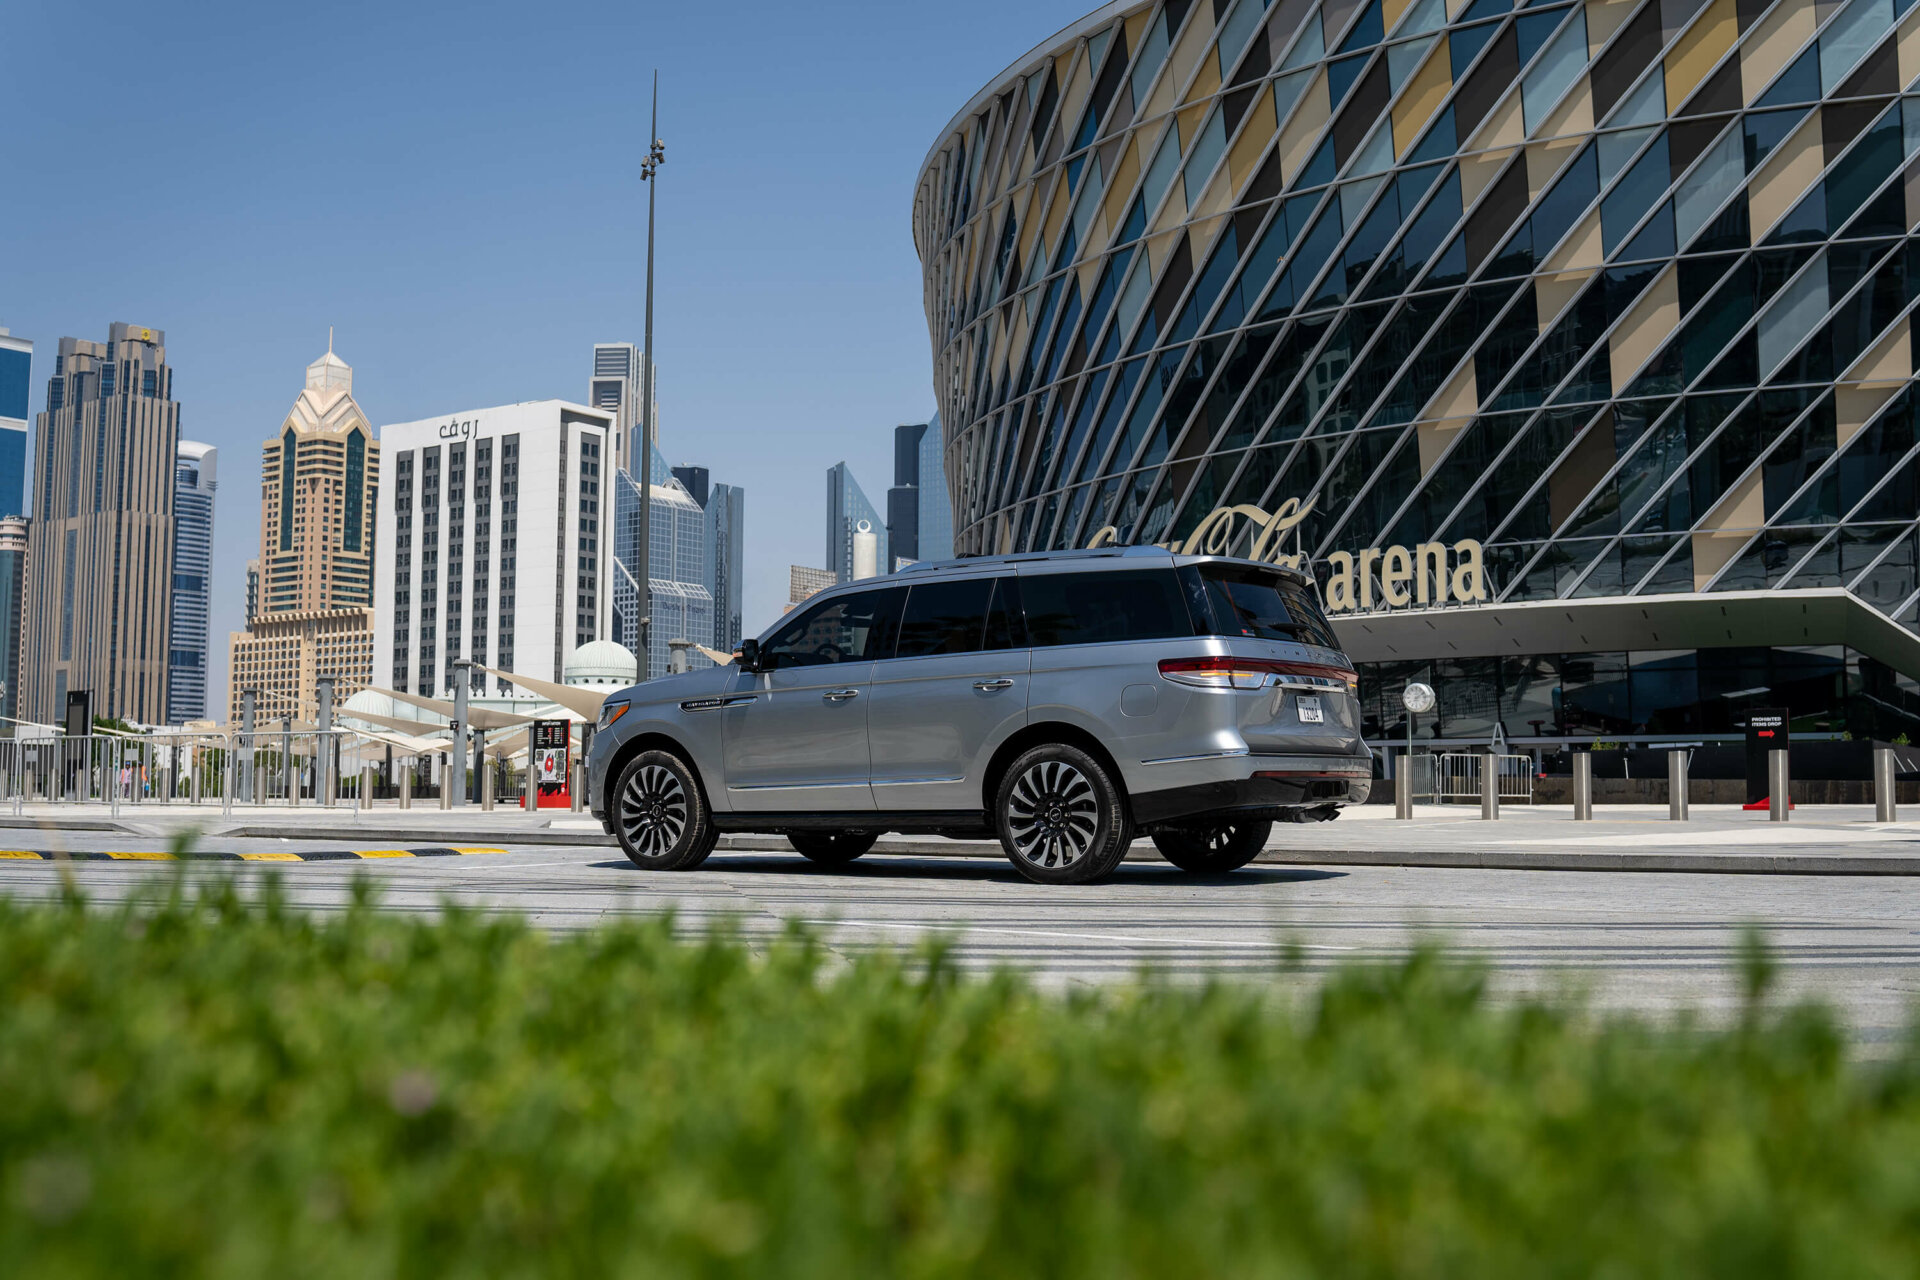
(1715, 620)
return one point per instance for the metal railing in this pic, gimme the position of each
(1457, 777)
(325, 768)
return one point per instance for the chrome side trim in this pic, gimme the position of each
(800, 786)
(715, 704)
(1204, 755)
(916, 782)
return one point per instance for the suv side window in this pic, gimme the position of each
(974, 616)
(851, 628)
(1103, 608)
(944, 617)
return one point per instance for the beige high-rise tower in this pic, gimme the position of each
(99, 590)
(311, 604)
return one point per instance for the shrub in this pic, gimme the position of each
(211, 1085)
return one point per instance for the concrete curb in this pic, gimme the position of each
(9, 822)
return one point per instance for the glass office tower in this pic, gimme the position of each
(1570, 346)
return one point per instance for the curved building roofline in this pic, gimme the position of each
(1072, 31)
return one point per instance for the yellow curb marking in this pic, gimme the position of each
(270, 857)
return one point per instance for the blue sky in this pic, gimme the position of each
(454, 188)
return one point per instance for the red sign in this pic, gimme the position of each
(551, 761)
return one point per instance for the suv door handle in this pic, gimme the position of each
(840, 695)
(988, 686)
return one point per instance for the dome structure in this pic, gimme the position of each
(601, 663)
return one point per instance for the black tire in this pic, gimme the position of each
(660, 815)
(1061, 817)
(832, 848)
(1214, 849)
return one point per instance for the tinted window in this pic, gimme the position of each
(1101, 608)
(854, 628)
(944, 617)
(1005, 627)
(1246, 601)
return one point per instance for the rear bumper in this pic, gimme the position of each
(1262, 786)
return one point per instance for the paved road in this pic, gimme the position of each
(1649, 942)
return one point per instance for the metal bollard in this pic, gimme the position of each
(578, 788)
(446, 787)
(365, 798)
(486, 787)
(1677, 785)
(1403, 788)
(1778, 786)
(1489, 787)
(1886, 807)
(406, 786)
(1583, 786)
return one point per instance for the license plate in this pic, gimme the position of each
(1310, 712)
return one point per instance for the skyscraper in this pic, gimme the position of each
(727, 543)
(311, 591)
(677, 551)
(726, 508)
(195, 476)
(856, 536)
(16, 361)
(919, 521)
(100, 580)
(903, 499)
(13, 581)
(617, 370)
(935, 507)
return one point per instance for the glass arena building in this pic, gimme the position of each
(1570, 346)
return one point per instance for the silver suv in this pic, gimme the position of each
(1064, 702)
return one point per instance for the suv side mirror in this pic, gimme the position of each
(749, 655)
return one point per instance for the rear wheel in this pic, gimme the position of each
(832, 848)
(1061, 817)
(1213, 849)
(660, 815)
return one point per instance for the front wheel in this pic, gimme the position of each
(1215, 849)
(1061, 817)
(660, 814)
(832, 848)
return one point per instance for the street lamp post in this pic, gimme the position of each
(649, 173)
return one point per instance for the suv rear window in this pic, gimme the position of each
(1247, 601)
(1102, 608)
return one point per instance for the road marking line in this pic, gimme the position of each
(327, 855)
(1083, 937)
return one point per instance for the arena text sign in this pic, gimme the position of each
(1429, 573)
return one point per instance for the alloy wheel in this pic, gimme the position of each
(1053, 815)
(653, 811)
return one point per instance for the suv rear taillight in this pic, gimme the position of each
(1216, 672)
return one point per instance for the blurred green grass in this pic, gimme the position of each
(210, 1084)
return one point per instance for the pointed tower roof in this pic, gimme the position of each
(330, 372)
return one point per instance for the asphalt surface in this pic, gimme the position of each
(1653, 943)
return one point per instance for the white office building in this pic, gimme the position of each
(492, 543)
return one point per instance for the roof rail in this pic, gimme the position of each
(1030, 557)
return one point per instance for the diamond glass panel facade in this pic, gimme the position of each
(1477, 310)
